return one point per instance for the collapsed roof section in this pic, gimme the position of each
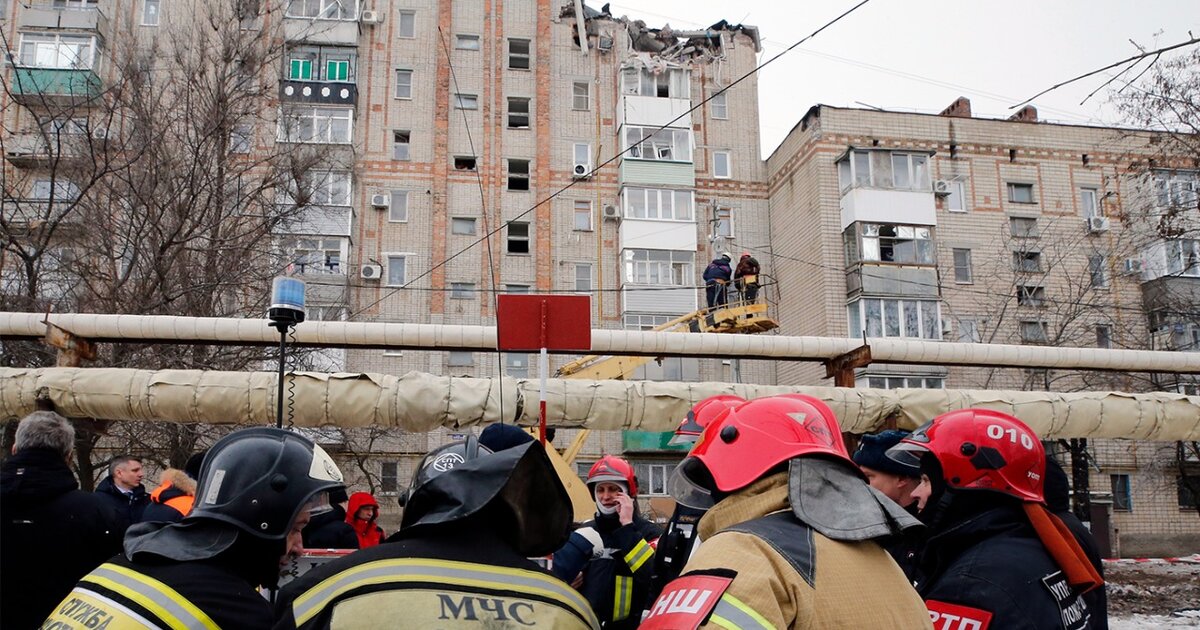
(670, 45)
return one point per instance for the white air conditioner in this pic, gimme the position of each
(942, 187)
(1133, 265)
(1097, 224)
(612, 212)
(380, 201)
(100, 133)
(582, 170)
(371, 17)
(604, 43)
(371, 272)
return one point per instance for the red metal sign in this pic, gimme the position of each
(528, 323)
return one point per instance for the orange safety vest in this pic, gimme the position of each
(182, 503)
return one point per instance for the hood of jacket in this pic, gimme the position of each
(36, 475)
(173, 483)
(360, 500)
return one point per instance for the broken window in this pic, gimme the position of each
(518, 113)
(1028, 262)
(886, 242)
(673, 83)
(1023, 227)
(720, 106)
(518, 237)
(648, 143)
(1031, 296)
(518, 54)
(464, 162)
(518, 174)
(400, 145)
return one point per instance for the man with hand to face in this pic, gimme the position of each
(897, 481)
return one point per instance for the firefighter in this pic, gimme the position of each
(789, 539)
(995, 556)
(257, 490)
(679, 539)
(610, 558)
(472, 519)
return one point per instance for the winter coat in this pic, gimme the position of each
(172, 499)
(458, 575)
(993, 568)
(329, 530)
(130, 507)
(617, 574)
(674, 547)
(51, 534)
(369, 534)
(718, 269)
(784, 574)
(747, 266)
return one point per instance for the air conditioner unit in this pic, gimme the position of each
(942, 187)
(371, 17)
(380, 201)
(100, 133)
(1097, 224)
(612, 212)
(371, 272)
(604, 43)
(1133, 265)
(582, 171)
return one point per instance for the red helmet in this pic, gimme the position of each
(980, 449)
(612, 468)
(746, 442)
(702, 415)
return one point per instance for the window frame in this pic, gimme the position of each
(632, 196)
(322, 118)
(642, 266)
(387, 267)
(401, 85)
(723, 222)
(1034, 230)
(728, 160)
(516, 365)
(651, 147)
(1097, 208)
(389, 478)
(719, 105)
(1098, 276)
(587, 96)
(582, 208)
(957, 189)
(406, 195)
(516, 177)
(872, 241)
(857, 309)
(1027, 261)
(964, 265)
(459, 38)
(590, 279)
(1104, 336)
(1121, 485)
(1012, 189)
(401, 146)
(455, 222)
(455, 358)
(463, 290)
(411, 16)
(462, 99)
(151, 17)
(511, 239)
(1042, 337)
(516, 115)
(1033, 295)
(511, 56)
(61, 45)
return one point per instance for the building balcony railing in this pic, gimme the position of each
(32, 214)
(318, 221)
(315, 31)
(888, 205)
(54, 86)
(31, 148)
(321, 92)
(38, 16)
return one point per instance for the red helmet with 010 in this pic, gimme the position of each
(701, 416)
(748, 441)
(980, 449)
(612, 468)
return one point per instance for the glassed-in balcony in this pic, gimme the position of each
(54, 86)
(61, 15)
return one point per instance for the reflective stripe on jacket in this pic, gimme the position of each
(118, 598)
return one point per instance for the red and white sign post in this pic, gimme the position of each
(528, 323)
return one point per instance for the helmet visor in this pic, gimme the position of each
(683, 439)
(910, 450)
(687, 492)
(318, 504)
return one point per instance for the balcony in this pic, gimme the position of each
(642, 298)
(30, 148)
(891, 281)
(31, 214)
(319, 92)
(318, 31)
(650, 111)
(47, 17)
(655, 234)
(54, 86)
(658, 173)
(318, 221)
(884, 205)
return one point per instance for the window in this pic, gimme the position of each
(464, 162)
(317, 124)
(652, 477)
(466, 101)
(404, 84)
(518, 113)
(721, 165)
(1183, 257)
(913, 319)
(519, 289)
(583, 277)
(320, 188)
(897, 382)
(407, 24)
(1122, 497)
(65, 126)
(653, 203)
(962, 266)
(462, 290)
(518, 174)
(1027, 262)
(462, 225)
(518, 54)
(59, 190)
(516, 365)
(1189, 497)
(1098, 270)
(1176, 189)
(581, 95)
(956, 200)
(637, 321)
(583, 156)
(968, 331)
(885, 242)
(1031, 295)
(460, 358)
(466, 42)
(398, 206)
(1033, 331)
(150, 12)
(1089, 201)
(300, 70)
(241, 137)
(647, 143)
(313, 255)
(1020, 193)
(57, 51)
(389, 477)
(663, 84)
(723, 222)
(518, 238)
(583, 215)
(396, 269)
(324, 9)
(910, 171)
(1103, 336)
(400, 144)
(337, 70)
(720, 106)
(660, 267)
(1023, 227)
(854, 170)
(81, 5)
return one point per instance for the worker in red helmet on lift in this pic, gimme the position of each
(995, 557)
(610, 558)
(789, 539)
(680, 537)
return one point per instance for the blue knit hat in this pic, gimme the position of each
(872, 453)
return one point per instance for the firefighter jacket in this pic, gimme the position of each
(992, 569)
(674, 547)
(458, 575)
(759, 566)
(616, 571)
(125, 595)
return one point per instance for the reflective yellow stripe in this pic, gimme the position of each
(622, 597)
(733, 614)
(159, 599)
(638, 556)
(405, 570)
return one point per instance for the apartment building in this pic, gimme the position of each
(955, 228)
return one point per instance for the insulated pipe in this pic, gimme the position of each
(399, 336)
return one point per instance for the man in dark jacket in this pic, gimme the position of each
(716, 280)
(746, 277)
(51, 532)
(330, 530)
(1058, 500)
(124, 490)
(896, 481)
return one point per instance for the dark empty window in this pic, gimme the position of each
(1121, 493)
(518, 174)
(518, 113)
(518, 54)
(518, 238)
(464, 162)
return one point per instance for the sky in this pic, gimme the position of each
(920, 55)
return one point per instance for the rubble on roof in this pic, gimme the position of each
(665, 42)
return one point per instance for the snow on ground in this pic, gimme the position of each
(1154, 622)
(1147, 596)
